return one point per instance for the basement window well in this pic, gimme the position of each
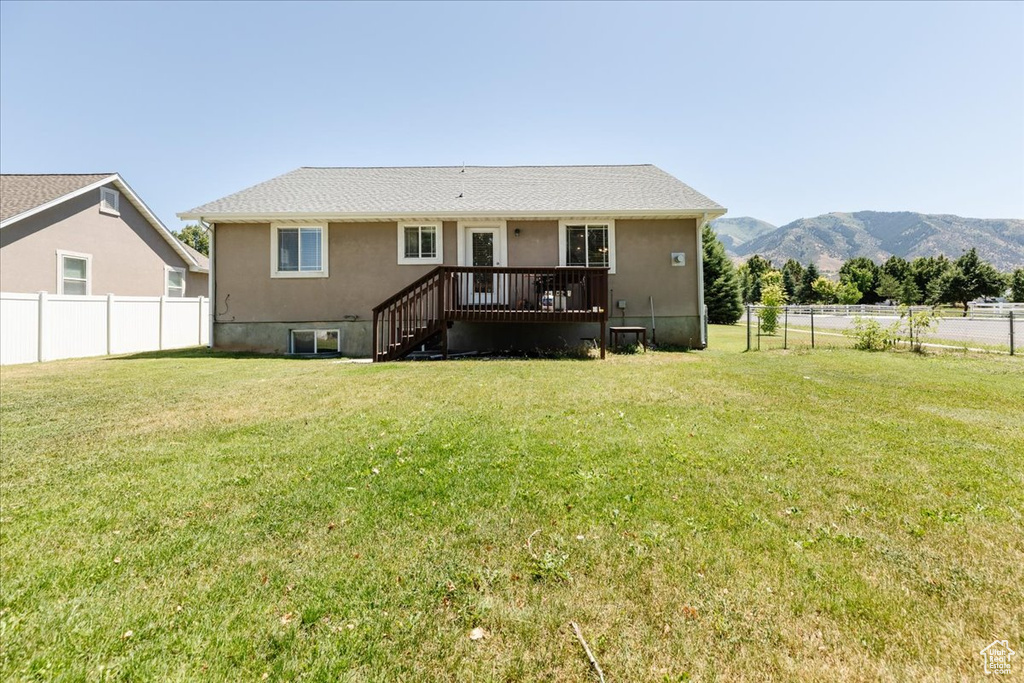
(314, 343)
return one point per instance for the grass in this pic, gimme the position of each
(798, 515)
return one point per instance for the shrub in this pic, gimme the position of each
(917, 324)
(871, 336)
(773, 298)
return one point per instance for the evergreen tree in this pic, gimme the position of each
(792, 274)
(721, 283)
(910, 295)
(889, 288)
(808, 295)
(757, 266)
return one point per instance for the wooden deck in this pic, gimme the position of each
(448, 294)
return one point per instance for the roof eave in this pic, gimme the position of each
(227, 217)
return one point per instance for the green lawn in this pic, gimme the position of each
(810, 515)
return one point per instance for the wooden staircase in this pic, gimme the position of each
(410, 318)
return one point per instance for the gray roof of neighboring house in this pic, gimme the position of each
(450, 190)
(20, 193)
(202, 259)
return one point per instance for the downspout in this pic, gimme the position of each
(211, 284)
(700, 282)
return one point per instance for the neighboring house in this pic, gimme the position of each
(90, 234)
(379, 261)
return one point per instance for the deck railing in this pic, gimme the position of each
(446, 294)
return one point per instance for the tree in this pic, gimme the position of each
(825, 291)
(910, 295)
(721, 284)
(756, 266)
(897, 267)
(807, 293)
(196, 237)
(1017, 284)
(863, 274)
(792, 274)
(968, 279)
(927, 270)
(848, 293)
(889, 287)
(773, 297)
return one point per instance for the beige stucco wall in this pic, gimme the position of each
(364, 269)
(128, 255)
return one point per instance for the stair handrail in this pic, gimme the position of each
(408, 288)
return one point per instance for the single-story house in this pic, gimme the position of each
(380, 261)
(76, 234)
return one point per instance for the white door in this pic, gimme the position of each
(482, 250)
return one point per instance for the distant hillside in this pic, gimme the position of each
(733, 232)
(830, 239)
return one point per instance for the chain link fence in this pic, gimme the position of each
(981, 330)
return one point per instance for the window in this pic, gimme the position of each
(109, 201)
(314, 342)
(175, 285)
(74, 273)
(587, 244)
(420, 243)
(298, 251)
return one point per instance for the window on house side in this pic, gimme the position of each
(74, 275)
(175, 282)
(587, 245)
(300, 250)
(419, 243)
(314, 342)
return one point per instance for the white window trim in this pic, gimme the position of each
(501, 249)
(112, 197)
(563, 238)
(167, 284)
(291, 339)
(60, 270)
(404, 260)
(324, 250)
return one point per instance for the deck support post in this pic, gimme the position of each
(604, 338)
(375, 333)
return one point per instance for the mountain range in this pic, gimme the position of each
(832, 238)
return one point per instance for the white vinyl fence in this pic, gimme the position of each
(40, 327)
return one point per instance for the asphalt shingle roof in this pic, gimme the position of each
(440, 190)
(19, 193)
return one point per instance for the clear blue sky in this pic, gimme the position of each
(775, 110)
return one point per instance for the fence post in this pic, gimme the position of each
(110, 324)
(785, 328)
(1011, 333)
(44, 327)
(812, 327)
(199, 329)
(758, 331)
(160, 342)
(748, 327)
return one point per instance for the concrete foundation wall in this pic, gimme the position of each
(355, 337)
